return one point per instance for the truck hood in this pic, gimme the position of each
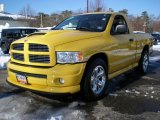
(57, 37)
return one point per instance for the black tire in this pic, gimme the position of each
(143, 63)
(5, 48)
(87, 84)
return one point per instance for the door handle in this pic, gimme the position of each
(131, 40)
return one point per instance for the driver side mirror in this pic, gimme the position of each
(121, 29)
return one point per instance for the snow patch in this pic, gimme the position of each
(4, 58)
(56, 118)
(14, 109)
(153, 92)
(113, 94)
(133, 91)
(29, 100)
(137, 92)
(156, 47)
(4, 26)
(128, 91)
(1, 52)
(75, 104)
(150, 88)
(152, 97)
(77, 114)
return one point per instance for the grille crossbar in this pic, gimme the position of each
(33, 47)
(18, 56)
(38, 48)
(19, 46)
(39, 58)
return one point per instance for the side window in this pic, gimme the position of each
(4, 33)
(119, 26)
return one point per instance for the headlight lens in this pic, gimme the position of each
(69, 57)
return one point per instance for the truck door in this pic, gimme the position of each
(125, 52)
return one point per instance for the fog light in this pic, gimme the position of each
(61, 80)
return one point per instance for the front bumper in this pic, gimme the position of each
(71, 73)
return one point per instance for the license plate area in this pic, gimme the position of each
(22, 79)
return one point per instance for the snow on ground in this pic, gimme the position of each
(156, 47)
(3, 60)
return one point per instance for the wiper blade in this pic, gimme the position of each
(67, 28)
(83, 28)
(71, 27)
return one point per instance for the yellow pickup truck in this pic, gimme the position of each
(82, 54)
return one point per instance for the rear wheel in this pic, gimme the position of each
(144, 62)
(95, 80)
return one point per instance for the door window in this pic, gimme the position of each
(119, 20)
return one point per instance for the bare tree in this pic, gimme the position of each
(47, 20)
(156, 25)
(137, 23)
(97, 6)
(27, 11)
(29, 15)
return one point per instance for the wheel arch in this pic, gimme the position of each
(145, 48)
(85, 82)
(102, 56)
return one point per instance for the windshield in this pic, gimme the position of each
(10, 33)
(16, 33)
(28, 31)
(89, 22)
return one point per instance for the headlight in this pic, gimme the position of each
(69, 57)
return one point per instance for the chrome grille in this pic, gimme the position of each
(19, 46)
(18, 56)
(39, 58)
(38, 48)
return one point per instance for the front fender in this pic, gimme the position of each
(87, 46)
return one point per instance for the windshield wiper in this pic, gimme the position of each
(71, 27)
(83, 29)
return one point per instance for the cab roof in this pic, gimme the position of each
(112, 13)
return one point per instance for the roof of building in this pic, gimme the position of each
(3, 12)
(21, 28)
(6, 18)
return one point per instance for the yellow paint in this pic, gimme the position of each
(122, 55)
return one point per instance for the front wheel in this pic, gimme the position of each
(95, 80)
